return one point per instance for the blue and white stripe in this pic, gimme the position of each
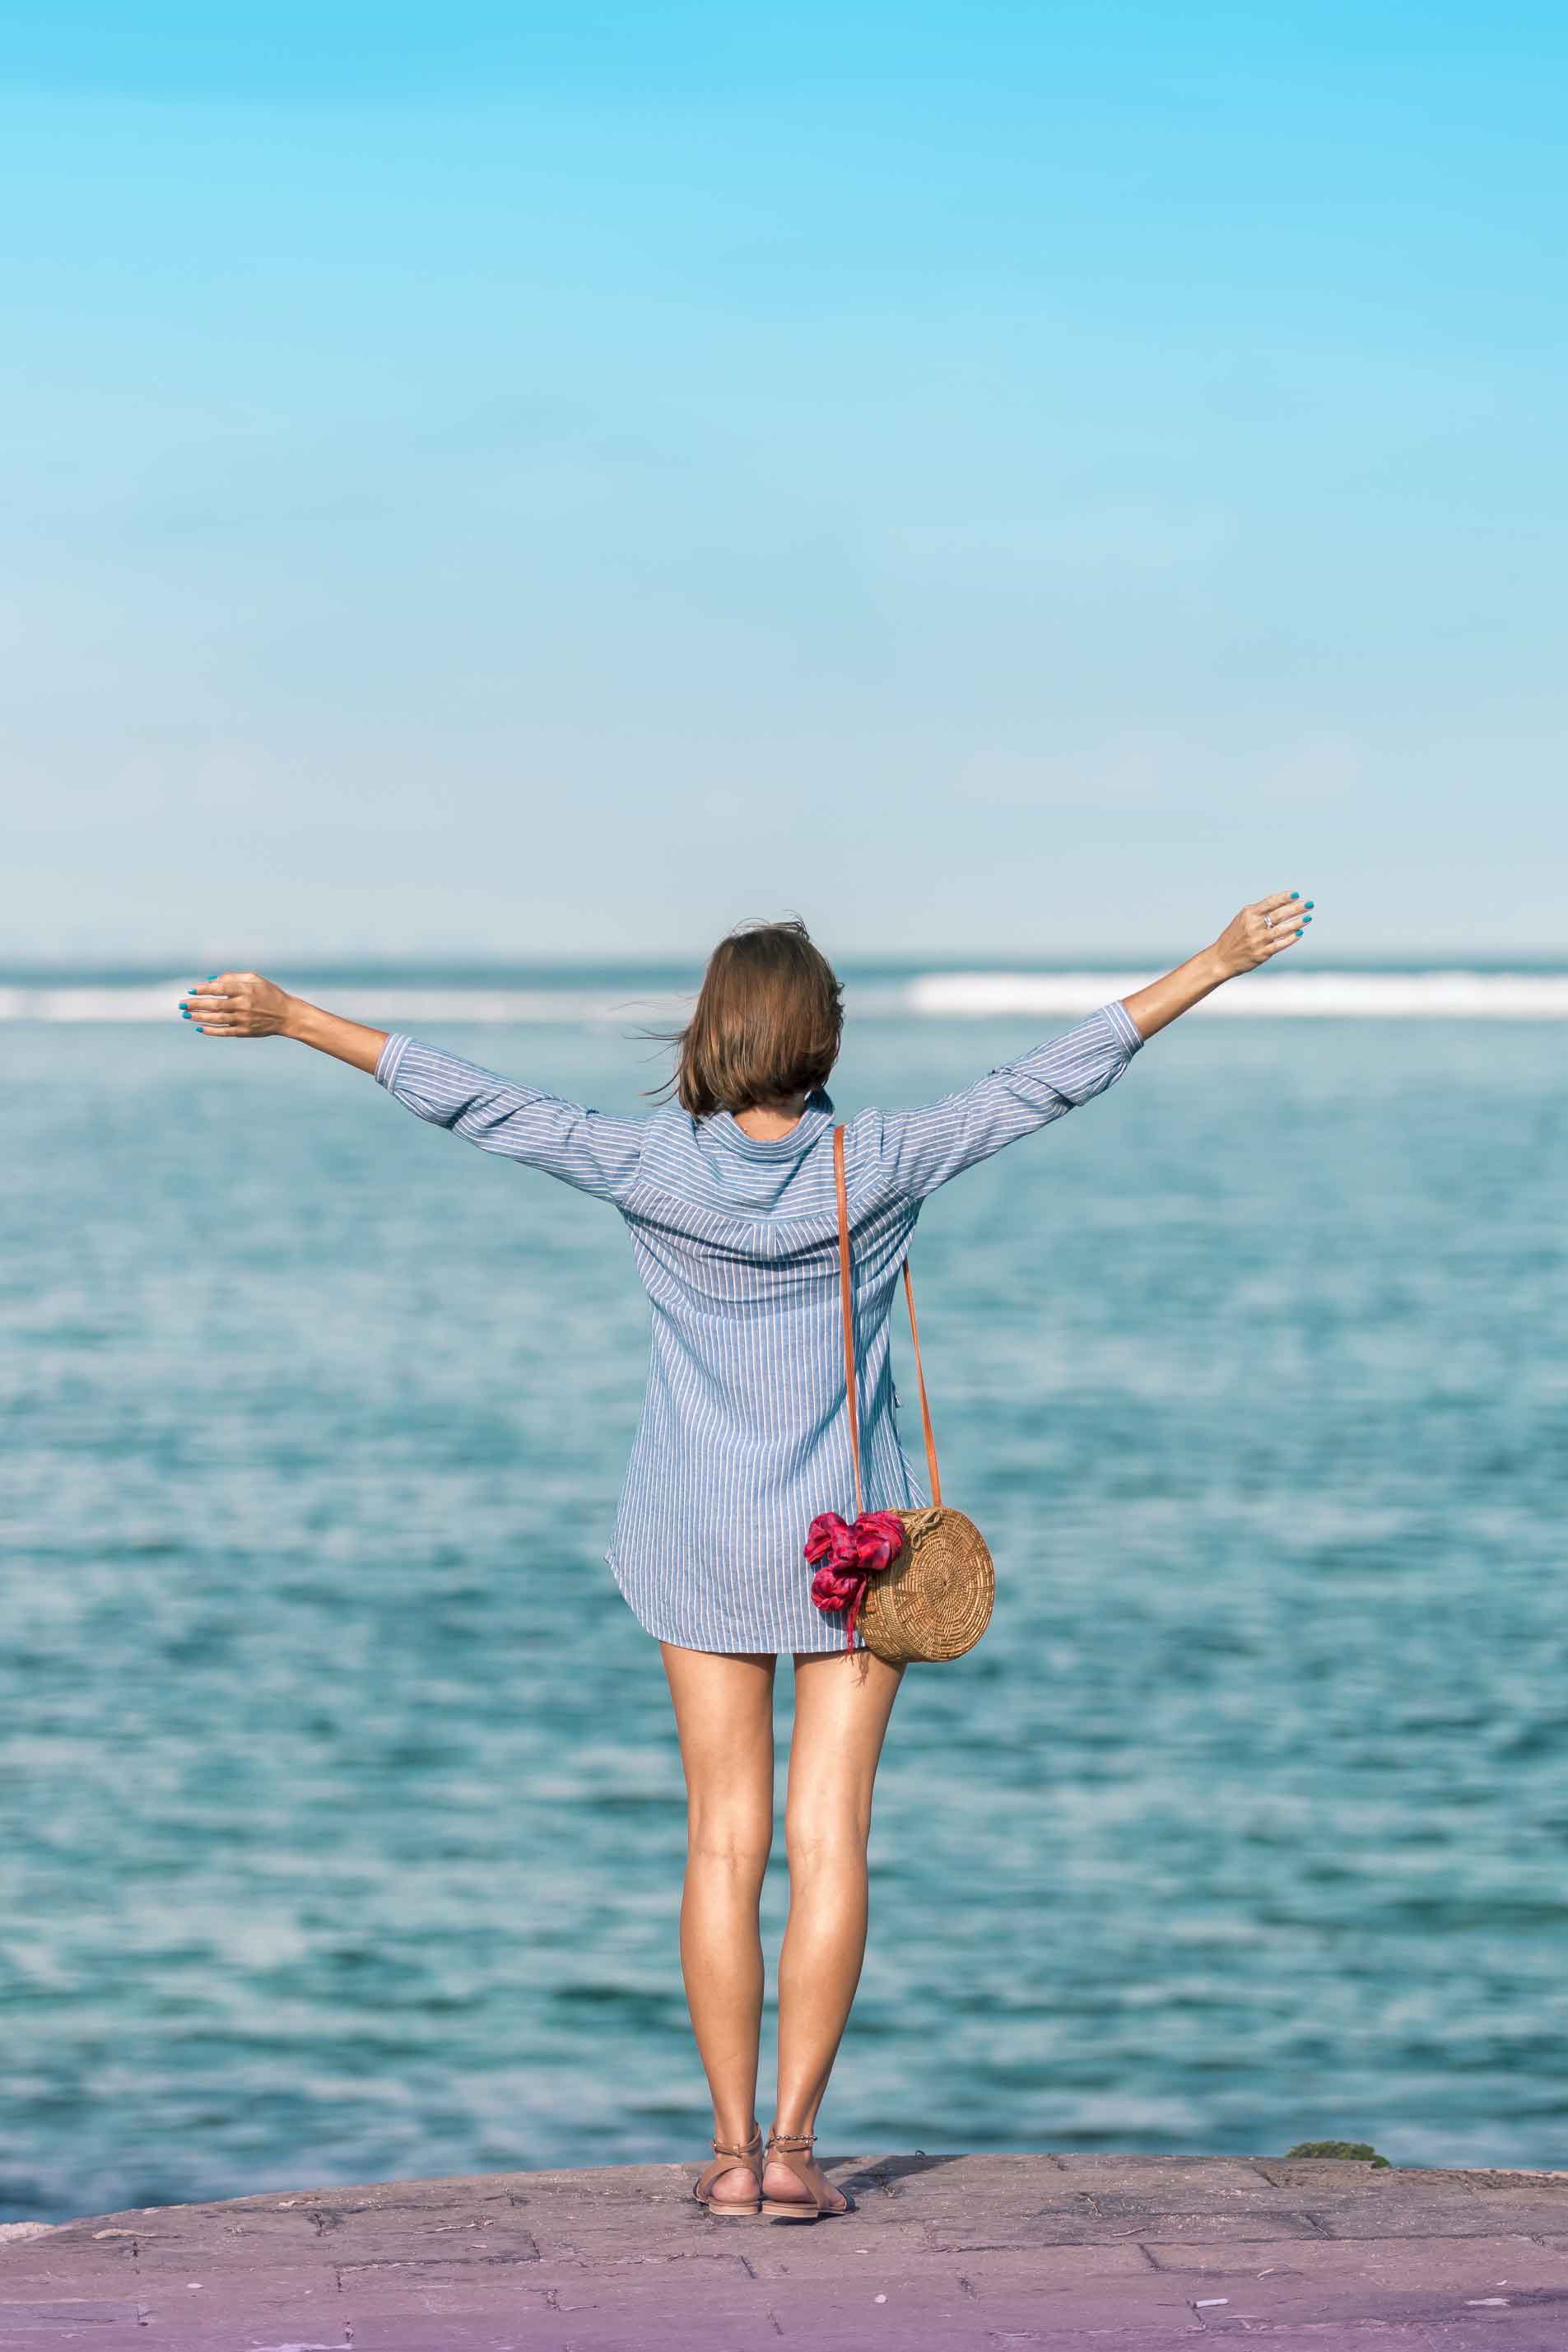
(743, 1435)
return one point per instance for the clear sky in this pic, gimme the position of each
(989, 476)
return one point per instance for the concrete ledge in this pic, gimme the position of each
(1104, 2253)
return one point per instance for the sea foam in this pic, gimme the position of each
(1435, 995)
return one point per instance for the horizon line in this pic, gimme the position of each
(372, 961)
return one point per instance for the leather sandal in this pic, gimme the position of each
(750, 2159)
(793, 2150)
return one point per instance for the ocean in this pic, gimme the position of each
(342, 1812)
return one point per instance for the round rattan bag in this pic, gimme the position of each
(932, 1600)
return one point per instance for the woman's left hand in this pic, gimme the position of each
(238, 1004)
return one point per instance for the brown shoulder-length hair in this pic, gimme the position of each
(766, 1023)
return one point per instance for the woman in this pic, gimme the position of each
(729, 1196)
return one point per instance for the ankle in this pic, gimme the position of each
(740, 2137)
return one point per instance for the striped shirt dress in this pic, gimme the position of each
(743, 1435)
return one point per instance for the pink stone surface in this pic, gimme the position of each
(1015, 2254)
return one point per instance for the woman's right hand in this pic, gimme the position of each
(1263, 929)
(239, 1005)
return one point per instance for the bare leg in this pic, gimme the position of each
(724, 1714)
(841, 1710)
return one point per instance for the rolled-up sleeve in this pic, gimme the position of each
(923, 1148)
(580, 1146)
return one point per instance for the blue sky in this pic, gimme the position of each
(1009, 479)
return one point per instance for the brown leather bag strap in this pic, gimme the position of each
(847, 1302)
(934, 1474)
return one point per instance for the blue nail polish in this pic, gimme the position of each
(184, 1012)
(1311, 902)
(1306, 918)
(1299, 934)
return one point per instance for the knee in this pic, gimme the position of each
(730, 1839)
(824, 1838)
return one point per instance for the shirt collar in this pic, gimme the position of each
(813, 1121)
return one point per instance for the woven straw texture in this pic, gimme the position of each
(934, 1602)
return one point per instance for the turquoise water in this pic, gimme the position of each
(342, 1812)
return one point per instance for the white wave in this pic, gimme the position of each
(394, 1005)
(1323, 995)
(934, 996)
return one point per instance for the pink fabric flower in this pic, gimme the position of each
(833, 1588)
(846, 1558)
(834, 1539)
(881, 1536)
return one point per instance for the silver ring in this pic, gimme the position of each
(1267, 922)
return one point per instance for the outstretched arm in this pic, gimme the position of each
(923, 1148)
(584, 1148)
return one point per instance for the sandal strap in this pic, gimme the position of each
(793, 2150)
(729, 2159)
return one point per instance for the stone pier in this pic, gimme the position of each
(1086, 2253)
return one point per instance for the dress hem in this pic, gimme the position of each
(774, 1649)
